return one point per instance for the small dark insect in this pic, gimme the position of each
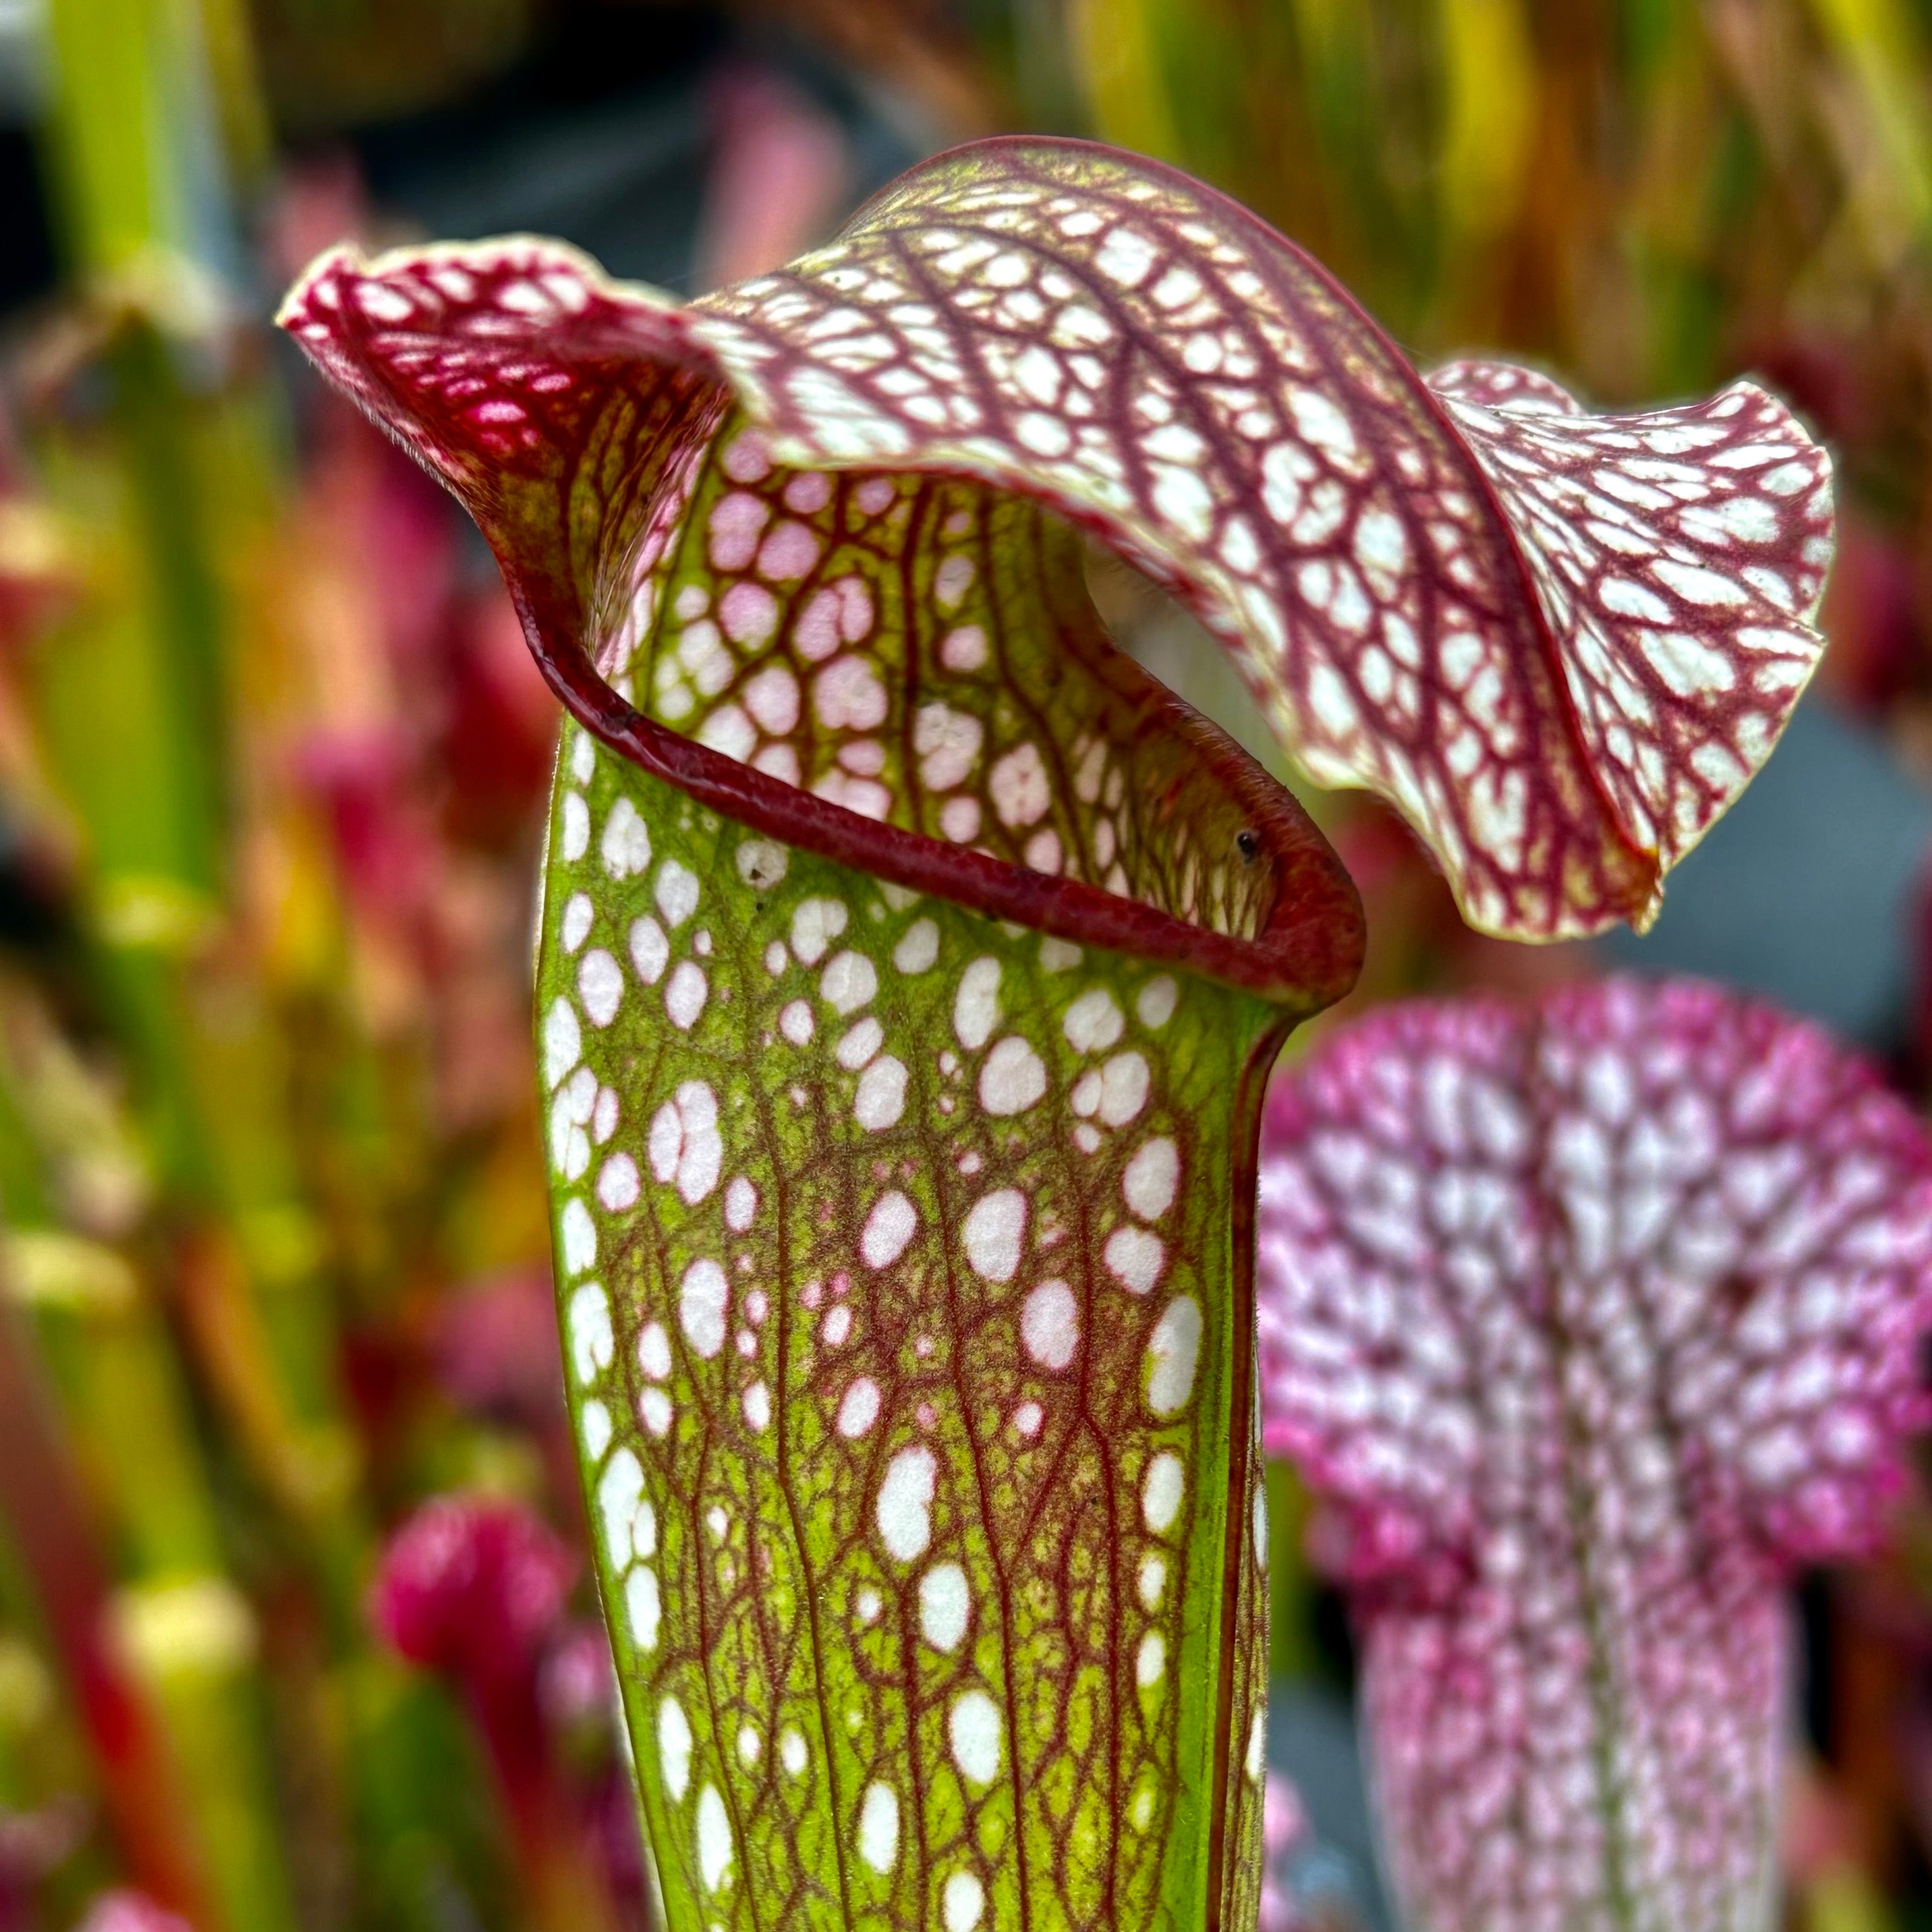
(1247, 844)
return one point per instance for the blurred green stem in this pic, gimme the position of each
(137, 703)
(47, 1514)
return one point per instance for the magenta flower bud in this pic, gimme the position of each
(472, 1589)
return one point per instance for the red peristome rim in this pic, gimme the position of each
(1308, 953)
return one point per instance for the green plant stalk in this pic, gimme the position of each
(134, 707)
(176, 1628)
(185, 475)
(46, 1516)
(144, 780)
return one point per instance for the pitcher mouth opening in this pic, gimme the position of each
(1306, 952)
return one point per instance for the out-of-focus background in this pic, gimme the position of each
(295, 1629)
